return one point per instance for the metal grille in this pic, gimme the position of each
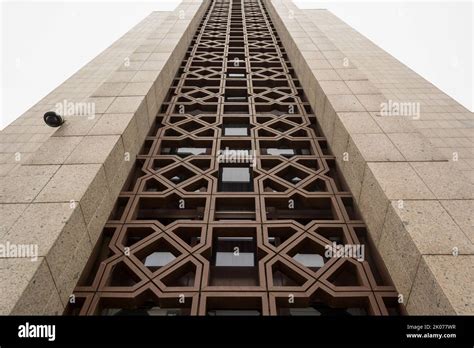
(235, 196)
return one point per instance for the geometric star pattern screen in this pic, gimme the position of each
(235, 205)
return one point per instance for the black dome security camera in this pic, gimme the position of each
(52, 119)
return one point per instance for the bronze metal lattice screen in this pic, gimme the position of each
(235, 197)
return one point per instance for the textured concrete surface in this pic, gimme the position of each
(411, 175)
(58, 186)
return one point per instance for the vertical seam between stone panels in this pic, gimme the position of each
(414, 278)
(452, 217)
(435, 197)
(54, 282)
(19, 216)
(432, 277)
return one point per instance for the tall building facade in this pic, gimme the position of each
(235, 205)
(244, 157)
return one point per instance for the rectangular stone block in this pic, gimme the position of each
(443, 287)
(444, 180)
(27, 288)
(55, 150)
(105, 149)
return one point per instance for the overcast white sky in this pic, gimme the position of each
(43, 43)
(433, 38)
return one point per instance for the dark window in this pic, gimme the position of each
(234, 130)
(233, 312)
(185, 151)
(286, 152)
(234, 261)
(234, 252)
(235, 179)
